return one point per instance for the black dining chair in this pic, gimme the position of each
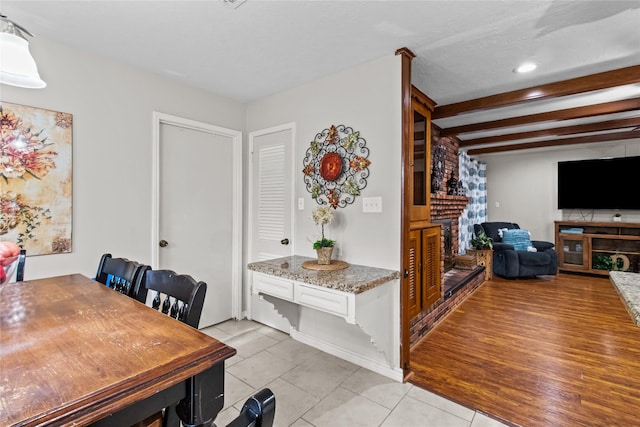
(18, 274)
(20, 269)
(124, 276)
(258, 410)
(181, 297)
(177, 295)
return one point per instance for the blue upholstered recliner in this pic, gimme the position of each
(515, 256)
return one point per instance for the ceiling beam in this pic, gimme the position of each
(608, 79)
(566, 114)
(616, 136)
(567, 130)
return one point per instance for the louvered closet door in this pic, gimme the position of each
(430, 265)
(414, 273)
(271, 208)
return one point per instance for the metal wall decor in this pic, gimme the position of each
(336, 166)
(437, 173)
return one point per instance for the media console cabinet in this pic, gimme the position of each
(598, 247)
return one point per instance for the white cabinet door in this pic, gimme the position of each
(271, 208)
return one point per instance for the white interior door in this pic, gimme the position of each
(271, 207)
(199, 216)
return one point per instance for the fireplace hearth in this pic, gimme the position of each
(455, 279)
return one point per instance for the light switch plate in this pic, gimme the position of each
(372, 204)
(300, 204)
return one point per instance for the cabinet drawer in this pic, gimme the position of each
(325, 300)
(274, 286)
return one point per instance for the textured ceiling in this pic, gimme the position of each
(464, 49)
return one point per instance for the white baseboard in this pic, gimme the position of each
(384, 369)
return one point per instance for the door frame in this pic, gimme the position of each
(251, 214)
(236, 232)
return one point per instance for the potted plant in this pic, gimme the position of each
(323, 215)
(481, 241)
(482, 249)
(617, 217)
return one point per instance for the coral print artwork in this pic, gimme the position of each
(35, 178)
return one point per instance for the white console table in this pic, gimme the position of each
(352, 313)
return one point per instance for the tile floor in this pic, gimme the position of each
(313, 388)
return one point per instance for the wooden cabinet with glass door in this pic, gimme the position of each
(423, 251)
(572, 252)
(420, 156)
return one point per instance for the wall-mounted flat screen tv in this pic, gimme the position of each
(612, 183)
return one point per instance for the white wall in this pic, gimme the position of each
(112, 106)
(368, 99)
(524, 184)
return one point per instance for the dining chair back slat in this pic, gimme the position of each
(124, 276)
(177, 295)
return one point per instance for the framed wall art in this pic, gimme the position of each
(36, 178)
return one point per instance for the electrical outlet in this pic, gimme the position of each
(372, 204)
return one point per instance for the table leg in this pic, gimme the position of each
(205, 398)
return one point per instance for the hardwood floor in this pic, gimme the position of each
(552, 351)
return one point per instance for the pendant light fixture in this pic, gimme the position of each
(17, 66)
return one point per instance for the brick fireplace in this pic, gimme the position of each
(446, 209)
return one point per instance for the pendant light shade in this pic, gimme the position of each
(17, 66)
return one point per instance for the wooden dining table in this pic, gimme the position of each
(74, 352)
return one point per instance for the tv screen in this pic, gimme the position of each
(599, 184)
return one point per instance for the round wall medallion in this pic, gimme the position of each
(336, 167)
(331, 166)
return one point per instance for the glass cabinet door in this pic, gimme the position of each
(420, 159)
(572, 252)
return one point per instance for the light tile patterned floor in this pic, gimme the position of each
(313, 388)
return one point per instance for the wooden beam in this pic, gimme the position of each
(616, 136)
(406, 56)
(566, 114)
(567, 130)
(608, 79)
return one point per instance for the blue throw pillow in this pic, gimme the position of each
(518, 238)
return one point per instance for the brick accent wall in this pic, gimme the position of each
(444, 206)
(450, 146)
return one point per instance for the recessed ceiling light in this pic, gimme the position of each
(525, 68)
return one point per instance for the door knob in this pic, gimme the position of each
(163, 243)
(284, 241)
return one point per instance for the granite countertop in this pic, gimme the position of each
(353, 279)
(628, 286)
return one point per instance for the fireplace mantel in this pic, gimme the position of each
(445, 206)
